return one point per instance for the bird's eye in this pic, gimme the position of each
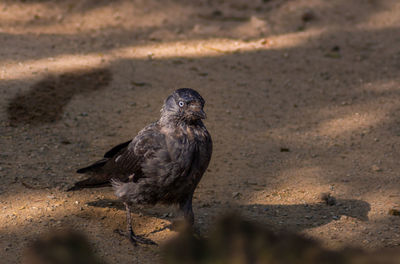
(181, 104)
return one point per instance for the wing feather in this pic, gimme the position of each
(124, 160)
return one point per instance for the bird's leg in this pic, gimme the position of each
(187, 210)
(130, 234)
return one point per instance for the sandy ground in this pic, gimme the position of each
(302, 98)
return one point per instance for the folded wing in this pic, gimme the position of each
(124, 161)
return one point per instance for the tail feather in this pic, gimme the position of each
(94, 166)
(89, 183)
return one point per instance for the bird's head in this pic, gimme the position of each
(184, 105)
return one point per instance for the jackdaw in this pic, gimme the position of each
(162, 164)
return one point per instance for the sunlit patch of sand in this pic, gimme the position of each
(39, 207)
(295, 188)
(12, 70)
(350, 122)
(384, 18)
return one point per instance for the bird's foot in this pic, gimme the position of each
(135, 239)
(142, 240)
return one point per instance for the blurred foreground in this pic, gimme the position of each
(233, 241)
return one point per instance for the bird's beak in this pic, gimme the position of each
(199, 113)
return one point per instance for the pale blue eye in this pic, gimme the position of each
(181, 104)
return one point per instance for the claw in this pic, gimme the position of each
(135, 239)
(142, 240)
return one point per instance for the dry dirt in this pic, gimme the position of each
(302, 98)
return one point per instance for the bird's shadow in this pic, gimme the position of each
(294, 217)
(153, 211)
(107, 203)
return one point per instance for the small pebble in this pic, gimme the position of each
(236, 194)
(376, 168)
(308, 16)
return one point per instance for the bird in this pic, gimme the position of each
(163, 164)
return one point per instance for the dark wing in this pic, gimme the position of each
(115, 150)
(124, 160)
(121, 148)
